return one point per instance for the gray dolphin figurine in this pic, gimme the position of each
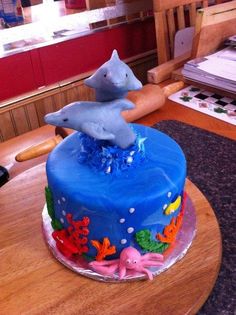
(113, 80)
(100, 120)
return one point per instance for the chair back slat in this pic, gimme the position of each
(180, 17)
(192, 13)
(205, 4)
(163, 40)
(171, 28)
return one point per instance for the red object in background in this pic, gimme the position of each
(36, 68)
(72, 57)
(17, 75)
(75, 4)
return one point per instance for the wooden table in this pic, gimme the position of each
(33, 282)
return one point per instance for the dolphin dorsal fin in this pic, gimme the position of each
(115, 55)
(122, 104)
(96, 131)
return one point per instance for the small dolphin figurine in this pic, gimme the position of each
(100, 120)
(113, 80)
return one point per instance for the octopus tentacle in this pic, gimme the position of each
(104, 262)
(152, 263)
(146, 271)
(106, 268)
(152, 256)
(122, 271)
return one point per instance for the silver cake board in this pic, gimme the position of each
(173, 254)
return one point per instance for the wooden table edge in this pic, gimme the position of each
(206, 293)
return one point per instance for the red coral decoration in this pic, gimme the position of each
(63, 244)
(73, 240)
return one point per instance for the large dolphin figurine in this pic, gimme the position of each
(113, 80)
(100, 120)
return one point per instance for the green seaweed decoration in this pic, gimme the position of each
(56, 224)
(144, 240)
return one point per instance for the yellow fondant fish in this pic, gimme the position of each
(173, 206)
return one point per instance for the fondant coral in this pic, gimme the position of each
(143, 238)
(73, 240)
(130, 261)
(170, 231)
(104, 249)
(64, 245)
(56, 224)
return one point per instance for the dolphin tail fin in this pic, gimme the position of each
(123, 104)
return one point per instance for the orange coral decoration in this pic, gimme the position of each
(171, 230)
(104, 249)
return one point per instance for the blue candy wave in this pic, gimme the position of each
(108, 159)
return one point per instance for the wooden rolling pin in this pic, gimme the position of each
(43, 147)
(39, 149)
(148, 99)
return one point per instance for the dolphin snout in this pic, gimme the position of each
(48, 118)
(54, 119)
(139, 85)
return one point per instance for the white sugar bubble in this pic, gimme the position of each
(130, 230)
(131, 210)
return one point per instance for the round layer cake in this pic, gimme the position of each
(137, 206)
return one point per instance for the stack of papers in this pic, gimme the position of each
(231, 41)
(217, 70)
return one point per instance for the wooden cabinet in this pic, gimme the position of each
(17, 75)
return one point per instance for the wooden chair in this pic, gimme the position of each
(213, 26)
(171, 16)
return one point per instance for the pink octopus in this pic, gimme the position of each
(130, 259)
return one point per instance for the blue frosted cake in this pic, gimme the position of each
(115, 191)
(130, 207)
